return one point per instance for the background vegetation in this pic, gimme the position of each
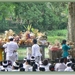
(49, 17)
(41, 15)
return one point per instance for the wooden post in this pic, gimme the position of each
(43, 52)
(4, 55)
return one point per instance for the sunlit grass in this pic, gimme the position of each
(22, 53)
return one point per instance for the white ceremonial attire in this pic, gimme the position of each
(56, 66)
(36, 52)
(28, 68)
(47, 68)
(9, 68)
(14, 70)
(61, 67)
(29, 52)
(11, 55)
(1, 67)
(68, 69)
(5, 49)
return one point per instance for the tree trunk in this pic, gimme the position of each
(71, 22)
(71, 26)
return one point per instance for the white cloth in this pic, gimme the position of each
(43, 42)
(68, 69)
(56, 66)
(36, 52)
(1, 68)
(47, 67)
(8, 69)
(5, 47)
(61, 67)
(11, 55)
(38, 59)
(28, 68)
(14, 70)
(24, 64)
(29, 52)
(68, 62)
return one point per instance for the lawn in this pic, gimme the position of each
(56, 34)
(22, 53)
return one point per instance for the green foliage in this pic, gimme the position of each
(56, 34)
(41, 15)
(28, 28)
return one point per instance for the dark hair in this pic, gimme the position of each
(73, 66)
(63, 42)
(41, 68)
(61, 60)
(20, 65)
(22, 69)
(69, 64)
(65, 60)
(45, 62)
(73, 60)
(5, 62)
(51, 68)
(32, 57)
(32, 63)
(28, 61)
(34, 41)
(35, 67)
(3, 70)
(57, 60)
(9, 62)
(11, 39)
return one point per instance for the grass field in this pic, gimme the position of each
(56, 34)
(22, 53)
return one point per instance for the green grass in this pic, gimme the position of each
(53, 38)
(56, 34)
(22, 53)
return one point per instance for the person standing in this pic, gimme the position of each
(36, 51)
(65, 49)
(11, 47)
(29, 52)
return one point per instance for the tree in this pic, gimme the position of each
(71, 22)
(41, 15)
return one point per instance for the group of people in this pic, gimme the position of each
(62, 48)
(30, 65)
(33, 60)
(11, 48)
